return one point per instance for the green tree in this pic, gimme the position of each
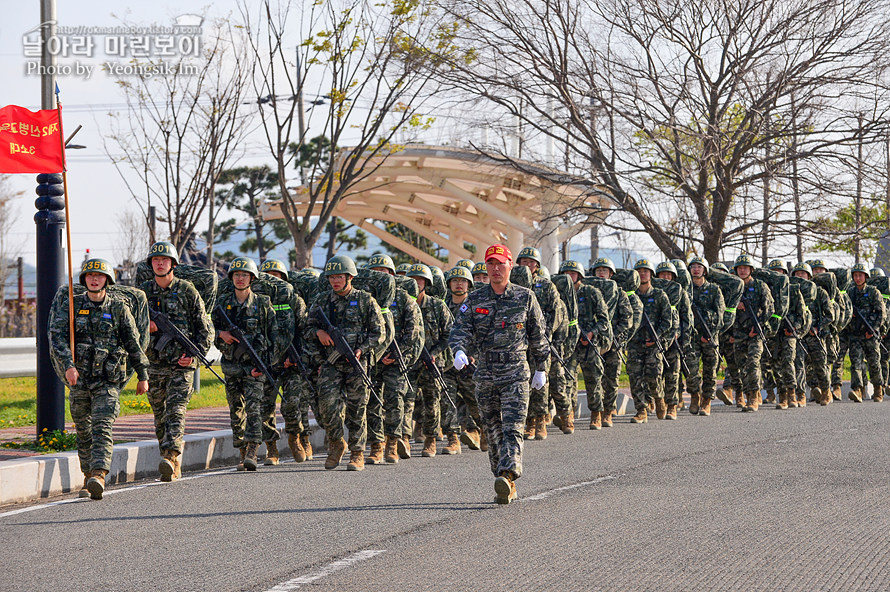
(839, 231)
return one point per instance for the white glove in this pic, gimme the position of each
(539, 380)
(460, 360)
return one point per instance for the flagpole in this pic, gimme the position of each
(67, 229)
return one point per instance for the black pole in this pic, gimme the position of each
(50, 220)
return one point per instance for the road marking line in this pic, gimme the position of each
(547, 494)
(327, 570)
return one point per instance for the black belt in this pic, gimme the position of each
(503, 357)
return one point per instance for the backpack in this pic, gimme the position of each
(438, 287)
(673, 291)
(281, 293)
(609, 290)
(628, 279)
(779, 288)
(521, 276)
(569, 298)
(205, 281)
(731, 287)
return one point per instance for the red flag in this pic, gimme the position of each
(30, 141)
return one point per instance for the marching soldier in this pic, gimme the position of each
(342, 391)
(707, 308)
(502, 322)
(172, 369)
(783, 345)
(106, 339)
(254, 316)
(480, 273)
(678, 343)
(755, 307)
(868, 315)
(816, 361)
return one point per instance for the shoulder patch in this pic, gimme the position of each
(106, 315)
(463, 308)
(83, 311)
(482, 310)
(353, 303)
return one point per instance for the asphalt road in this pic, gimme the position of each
(790, 500)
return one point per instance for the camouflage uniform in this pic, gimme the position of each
(644, 364)
(784, 347)
(748, 350)
(816, 366)
(868, 302)
(172, 384)
(106, 339)
(290, 379)
(622, 330)
(341, 392)
(503, 328)
(244, 393)
(553, 311)
(593, 316)
(437, 323)
(677, 345)
(462, 386)
(707, 299)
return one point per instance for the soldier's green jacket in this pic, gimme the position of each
(437, 323)
(505, 324)
(549, 300)
(593, 316)
(708, 300)
(356, 314)
(758, 294)
(408, 325)
(657, 306)
(797, 314)
(636, 307)
(823, 311)
(622, 319)
(256, 318)
(455, 311)
(866, 302)
(105, 338)
(182, 304)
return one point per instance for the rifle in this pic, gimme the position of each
(800, 341)
(400, 360)
(869, 328)
(170, 332)
(617, 349)
(345, 350)
(293, 354)
(749, 308)
(427, 360)
(705, 330)
(556, 355)
(651, 328)
(244, 347)
(589, 346)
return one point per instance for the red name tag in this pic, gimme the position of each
(482, 310)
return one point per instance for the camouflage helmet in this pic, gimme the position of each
(403, 268)
(382, 260)
(644, 264)
(571, 265)
(877, 272)
(465, 263)
(243, 264)
(776, 265)
(97, 265)
(814, 263)
(860, 267)
(542, 271)
(274, 265)
(743, 259)
(531, 253)
(603, 262)
(480, 268)
(311, 271)
(679, 264)
(420, 270)
(340, 264)
(666, 266)
(163, 249)
(720, 266)
(803, 267)
(700, 261)
(458, 271)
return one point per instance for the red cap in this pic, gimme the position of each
(499, 252)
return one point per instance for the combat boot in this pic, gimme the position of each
(782, 403)
(671, 412)
(740, 400)
(242, 451)
(96, 483)
(250, 456)
(376, 455)
(818, 395)
(84, 491)
(836, 392)
(878, 395)
(557, 421)
(606, 418)
(417, 433)
(356, 461)
(453, 446)
(660, 408)
(651, 405)
(705, 407)
(725, 395)
(827, 396)
(642, 415)
(296, 448)
(336, 449)
(596, 420)
(568, 423)
(548, 419)
(483, 441)
(429, 447)
(694, 399)
(391, 453)
(307, 445)
(770, 396)
(403, 447)
(529, 433)
(855, 395)
(272, 455)
(470, 438)
(754, 400)
(177, 468)
(802, 400)
(540, 428)
(504, 488)
(167, 466)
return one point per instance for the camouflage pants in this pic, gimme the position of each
(556, 388)
(244, 394)
(837, 347)
(463, 389)
(885, 359)
(502, 391)
(171, 389)
(816, 366)
(291, 384)
(644, 365)
(342, 400)
(432, 400)
(731, 374)
(387, 419)
(703, 369)
(747, 352)
(870, 350)
(309, 398)
(801, 374)
(592, 371)
(571, 390)
(539, 399)
(412, 409)
(783, 348)
(611, 372)
(94, 410)
(671, 376)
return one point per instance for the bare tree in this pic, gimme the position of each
(679, 110)
(9, 248)
(182, 128)
(131, 243)
(366, 58)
